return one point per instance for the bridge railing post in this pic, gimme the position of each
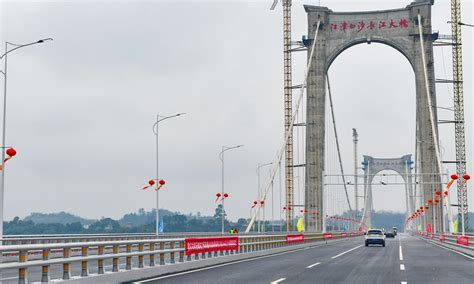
(66, 271)
(128, 265)
(100, 262)
(162, 254)
(84, 263)
(22, 255)
(181, 252)
(172, 245)
(152, 254)
(140, 257)
(45, 268)
(115, 260)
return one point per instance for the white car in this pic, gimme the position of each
(374, 236)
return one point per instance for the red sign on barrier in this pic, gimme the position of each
(327, 236)
(344, 235)
(442, 238)
(291, 239)
(199, 245)
(462, 240)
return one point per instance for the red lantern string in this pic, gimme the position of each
(218, 195)
(438, 193)
(150, 183)
(262, 202)
(430, 201)
(160, 184)
(254, 204)
(10, 153)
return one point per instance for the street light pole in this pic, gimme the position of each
(155, 131)
(4, 72)
(259, 193)
(221, 157)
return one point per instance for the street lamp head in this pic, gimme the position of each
(44, 39)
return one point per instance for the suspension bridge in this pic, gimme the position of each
(326, 209)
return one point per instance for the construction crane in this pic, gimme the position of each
(460, 138)
(288, 99)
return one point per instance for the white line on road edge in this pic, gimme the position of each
(402, 266)
(278, 281)
(343, 253)
(470, 257)
(8, 278)
(220, 265)
(313, 265)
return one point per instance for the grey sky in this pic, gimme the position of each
(81, 108)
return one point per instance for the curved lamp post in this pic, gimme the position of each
(221, 157)
(4, 72)
(159, 119)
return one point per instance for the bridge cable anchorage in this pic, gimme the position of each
(277, 162)
(460, 139)
(337, 143)
(430, 110)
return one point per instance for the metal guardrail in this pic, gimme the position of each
(451, 240)
(170, 249)
(66, 238)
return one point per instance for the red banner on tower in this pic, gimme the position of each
(199, 245)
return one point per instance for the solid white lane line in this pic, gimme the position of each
(401, 253)
(313, 265)
(470, 257)
(402, 266)
(343, 253)
(404, 282)
(278, 281)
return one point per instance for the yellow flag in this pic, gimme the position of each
(300, 225)
(455, 225)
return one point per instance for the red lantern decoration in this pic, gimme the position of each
(430, 201)
(421, 207)
(226, 195)
(454, 176)
(161, 182)
(446, 192)
(151, 182)
(438, 193)
(218, 194)
(255, 204)
(465, 176)
(317, 213)
(11, 152)
(426, 207)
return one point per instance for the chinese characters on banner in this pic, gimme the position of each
(369, 25)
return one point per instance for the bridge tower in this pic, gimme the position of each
(398, 28)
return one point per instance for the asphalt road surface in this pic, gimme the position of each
(405, 259)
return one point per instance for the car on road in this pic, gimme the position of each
(375, 237)
(390, 234)
(394, 229)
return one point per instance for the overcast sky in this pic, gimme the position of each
(81, 108)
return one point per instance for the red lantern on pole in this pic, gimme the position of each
(426, 207)
(438, 193)
(454, 176)
(151, 182)
(226, 195)
(430, 201)
(465, 176)
(218, 195)
(162, 182)
(255, 204)
(11, 152)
